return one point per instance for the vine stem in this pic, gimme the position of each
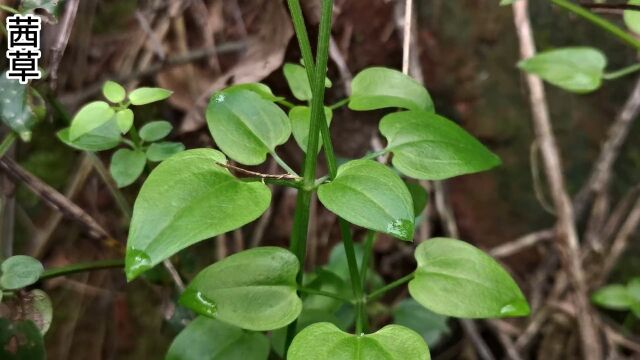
(622, 72)
(377, 293)
(324, 293)
(599, 21)
(82, 267)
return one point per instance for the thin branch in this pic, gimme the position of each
(260, 175)
(522, 243)
(57, 51)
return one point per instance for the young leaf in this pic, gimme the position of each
(208, 339)
(89, 118)
(104, 137)
(15, 110)
(155, 130)
(632, 17)
(245, 126)
(614, 297)
(163, 150)
(146, 95)
(114, 92)
(296, 77)
(259, 88)
(300, 119)
(431, 326)
(124, 118)
(20, 340)
(254, 289)
(371, 195)
(378, 88)
(323, 341)
(187, 199)
(456, 279)
(429, 147)
(127, 166)
(575, 69)
(20, 271)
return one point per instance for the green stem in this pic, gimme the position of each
(622, 72)
(340, 104)
(405, 279)
(599, 21)
(82, 267)
(283, 164)
(8, 140)
(368, 250)
(375, 155)
(8, 9)
(324, 293)
(286, 103)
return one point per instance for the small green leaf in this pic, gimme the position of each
(300, 120)
(431, 326)
(420, 197)
(16, 111)
(105, 137)
(633, 288)
(114, 92)
(20, 340)
(127, 166)
(89, 118)
(146, 95)
(632, 17)
(155, 130)
(322, 341)
(614, 297)
(456, 279)
(124, 118)
(245, 126)
(378, 88)
(259, 88)
(186, 199)
(208, 339)
(254, 289)
(296, 77)
(371, 195)
(50, 6)
(575, 69)
(429, 147)
(328, 281)
(506, 2)
(20, 271)
(163, 150)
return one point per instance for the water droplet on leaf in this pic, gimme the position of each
(136, 263)
(198, 302)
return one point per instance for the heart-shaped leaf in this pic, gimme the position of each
(378, 88)
(245, 126)
(20, 271)
(429, 147)
(15, 110)
(89, 118)
(163, 150)
(575, 69)
(209, 339)
(254, 289)
(186, 199)
(456, 279)
(614, 297)
(371, 195)
(114, 92)
(155, 130)
(127, 166)
(146, 95)
(323, 341)
(632, 17)
(101, 138)
(296, 77)
(124, 118)
(300, 120)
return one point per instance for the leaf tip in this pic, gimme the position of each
(136, 262)
(198, 302)
(519, 307)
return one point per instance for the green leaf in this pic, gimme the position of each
(456, 279)
(261, 89)
(208, 339)
(20, 340)
(163, 150)
(114, 92)
(307, 317)
(50, 6)
(575, 69)
(420, 197)
(254, 289)
(105, 137)
(146, 95)
(323, 341)
(245, 126)
(614, 297)
(506, 2)
(16, 111)
(155, 130)
(338, 263)
(328, 281)
(378, 88)
(89, 118)
(300, 117)
(429, 147)
(431, 326)
(371, 195)
(127, 166)
(20, 271)
(187, 199)
(124, 118)
(296, 77)
(633, 288)
(632, 17)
